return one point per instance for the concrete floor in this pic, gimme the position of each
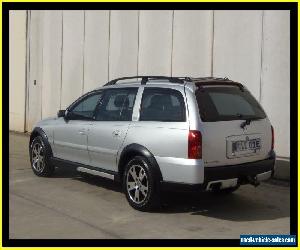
(69, 205)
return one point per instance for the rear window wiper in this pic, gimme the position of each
(248, 120)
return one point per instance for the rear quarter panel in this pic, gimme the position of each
(168, 142)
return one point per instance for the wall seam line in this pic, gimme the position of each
(108, 55)
(29, 68)
(138, 45)
(83, 49)
(26, 72)
(212, 44)
(172, 43)
(42, 71)
(61, 55)
(261, 56)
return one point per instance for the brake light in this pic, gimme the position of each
(195, 144)
(272, 145)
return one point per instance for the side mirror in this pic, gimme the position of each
(61, 113)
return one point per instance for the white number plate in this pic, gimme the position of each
(248, 145)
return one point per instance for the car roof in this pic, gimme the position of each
(138, 83)
(163, 80)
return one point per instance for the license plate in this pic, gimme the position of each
(247, 145)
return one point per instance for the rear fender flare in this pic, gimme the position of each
(138, 150)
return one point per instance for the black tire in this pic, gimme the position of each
(225, 191)
(148, 199)
(40, 157)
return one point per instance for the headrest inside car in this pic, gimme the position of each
(160, 102)
(121, 100)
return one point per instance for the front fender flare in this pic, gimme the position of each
(37, 131)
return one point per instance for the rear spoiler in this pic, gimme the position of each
(223, 83)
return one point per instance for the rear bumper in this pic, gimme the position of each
(261, 170)
(239, 171)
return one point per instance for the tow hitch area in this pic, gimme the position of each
(253, 181)
(242, 180)
(221, 184)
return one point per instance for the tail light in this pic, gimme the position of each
(272, 145)
(195, 144)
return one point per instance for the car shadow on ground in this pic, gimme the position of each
(238, 206)
(233, 207)
(98, 181)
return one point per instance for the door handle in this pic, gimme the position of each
(82, 131)
(116, 133)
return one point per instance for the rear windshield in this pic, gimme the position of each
(225, 103)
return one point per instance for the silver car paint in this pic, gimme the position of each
(70, 140)
(104, 141)
(216, 135)
(168, 142)
(100, 145)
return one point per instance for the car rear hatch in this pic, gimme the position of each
(235, 127)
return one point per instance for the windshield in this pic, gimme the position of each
(225, 103)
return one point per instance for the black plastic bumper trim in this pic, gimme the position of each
(240, 170)
(181, 187)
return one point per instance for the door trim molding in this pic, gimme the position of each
(58, 162)
(95, 172)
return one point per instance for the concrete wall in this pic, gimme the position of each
(72, 52)
(237, 47)
(17, 69)
(192, 43)
(275, 76)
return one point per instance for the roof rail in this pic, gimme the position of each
(145, 79)
(209, 78)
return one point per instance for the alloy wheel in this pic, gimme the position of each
(38, 157)
(137, 184)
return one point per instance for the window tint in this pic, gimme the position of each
(166, 105)
(116, 105)
(85, 108)
(227, 103)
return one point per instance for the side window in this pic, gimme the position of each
(116, 105)
(165, 105)
(86, 107)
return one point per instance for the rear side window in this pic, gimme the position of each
(116, 105)
(164, 105)
(227, 103)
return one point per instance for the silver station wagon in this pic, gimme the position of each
(155, 132)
